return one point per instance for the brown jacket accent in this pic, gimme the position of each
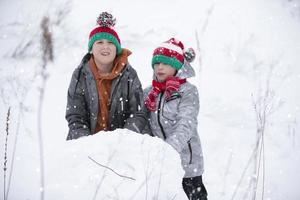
(103, 84)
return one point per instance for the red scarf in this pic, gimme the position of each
(171, 85)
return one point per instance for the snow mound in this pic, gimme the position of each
(147, 167)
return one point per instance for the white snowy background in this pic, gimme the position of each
(247, 51)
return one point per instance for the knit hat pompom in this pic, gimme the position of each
(106, 19)
(171, 52)
(189, 55)
(105, 30)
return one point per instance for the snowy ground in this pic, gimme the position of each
(142, 165)
(239, 43)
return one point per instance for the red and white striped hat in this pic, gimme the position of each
(170, 52)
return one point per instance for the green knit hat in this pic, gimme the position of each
(105, 31)
(170, 53)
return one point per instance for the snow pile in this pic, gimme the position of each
(148, 165)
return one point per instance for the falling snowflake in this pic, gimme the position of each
(198, 189)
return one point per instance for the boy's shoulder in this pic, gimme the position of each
(130, 70)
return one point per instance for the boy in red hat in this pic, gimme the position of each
(104, 90)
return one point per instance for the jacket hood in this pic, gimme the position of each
(187, 71)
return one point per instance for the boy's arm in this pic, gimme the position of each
(139, 121)
(135, 93)
(76, 113)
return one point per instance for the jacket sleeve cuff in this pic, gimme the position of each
(75, 134)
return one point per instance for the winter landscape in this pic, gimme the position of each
(247, 73)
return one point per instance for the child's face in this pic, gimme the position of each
(104, 51)
(163, 71)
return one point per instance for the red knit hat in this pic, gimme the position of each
(172, 52)
(105, 30)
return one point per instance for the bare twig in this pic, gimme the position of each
(261, 111)
(174, 197)
(292, 132)
(261, 157)
(61, 14)
(5, 151)
(199, 38)
(47, 42)
(148, 176)
(22, 49)
(208, 15)
(244, 173)
(40, 138)
(202, 32)
(47, 56)
(141, 185)
(14, 149)
(199, 50)
(123, 176)
(264, 105)
(103, 175)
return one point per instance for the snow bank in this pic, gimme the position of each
(149, 163)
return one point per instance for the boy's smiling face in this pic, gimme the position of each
(163, 71)
(104, 51)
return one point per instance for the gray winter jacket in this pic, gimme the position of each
(176, 122)
(82, 106)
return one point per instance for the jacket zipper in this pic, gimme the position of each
(113, 90)
(158, 117)
(190, 148)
